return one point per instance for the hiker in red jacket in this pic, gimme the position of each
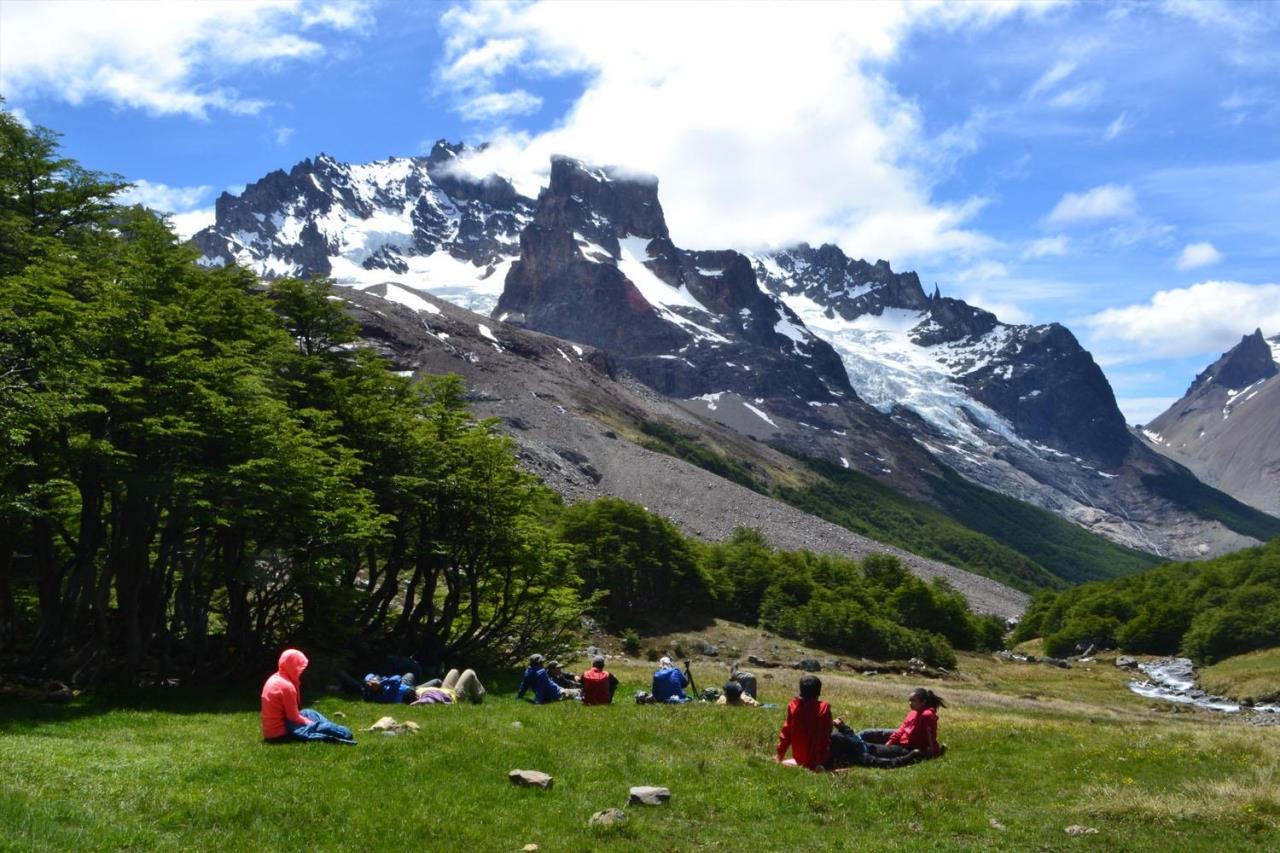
(598, 684)
(807, 730)
(282, 721)
(918, 732)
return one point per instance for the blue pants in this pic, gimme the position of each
(319, 729)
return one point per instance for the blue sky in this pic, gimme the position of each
(1115, 167)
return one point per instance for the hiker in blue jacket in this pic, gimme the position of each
(545, 688)
(387, 688)
(530, 678)
(669, 683)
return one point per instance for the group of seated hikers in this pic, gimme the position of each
(816, 740)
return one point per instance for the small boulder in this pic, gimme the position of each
(529, 848)
(648, 795)
(809, 665)
(1077, 829)
(1126, 662)
(608, 817)
(530, 778)
(997, 825)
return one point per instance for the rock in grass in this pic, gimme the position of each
(1126, 662)
(529, 848)
(608, 817)
(530, 778)
(1077, 829)
(648, 795)
(995, 824)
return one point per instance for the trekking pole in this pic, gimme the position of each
(689, 674)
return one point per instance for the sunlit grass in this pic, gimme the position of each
(178, 770)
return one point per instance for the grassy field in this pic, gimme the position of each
(1255, 675)
(1032, 750)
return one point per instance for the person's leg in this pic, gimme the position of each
(875, 735)
(451, 679)
(468, 685)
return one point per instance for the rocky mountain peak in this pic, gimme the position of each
(1249, 361)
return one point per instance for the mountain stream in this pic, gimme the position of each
(1174, 680)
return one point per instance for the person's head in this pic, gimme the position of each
(553, 667)
(535, 661)
(923, 697)
(372, 683)
(810, 687)
(733, 692)
(597, 662)
(665, 662)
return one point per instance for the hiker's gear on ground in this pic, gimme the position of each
(807, 732)
(669, 684)
(280, 695)
(711, 694)
(598, 686)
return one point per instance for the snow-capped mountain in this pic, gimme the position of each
(1226, 428)
(1022, 409)
(414, 220)
(823, 355)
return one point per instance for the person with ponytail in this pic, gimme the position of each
(918, 733)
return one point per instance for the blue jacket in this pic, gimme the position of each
(529, 681)
(668, 685)
(545, 690)
(393, 689)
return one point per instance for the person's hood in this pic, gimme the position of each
(292, 663)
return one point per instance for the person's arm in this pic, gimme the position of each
(289, 702)
(784, 737)
(929, 721)
(902, 734)
(613, 684)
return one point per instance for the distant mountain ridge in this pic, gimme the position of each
(1226, 428)
(830, 357)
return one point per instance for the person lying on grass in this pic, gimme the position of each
(282, 722)
(387, 688)
(807, 729)
(669, 683)
(918, 732)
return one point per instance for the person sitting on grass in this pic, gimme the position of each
(598, 684)
(918, 732)
(566, 680)
(530, 677)
(734, 695)
(282, 722)
(807, 729)
(669, 683)
(547, 690)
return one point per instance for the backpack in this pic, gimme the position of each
(595, 687)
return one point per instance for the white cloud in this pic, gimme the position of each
(283, 135)
(163, 197)
(494, 104)
(1077, 96)
(1046, 247)
(1208, 317)
(187, 224)
(1120, 124)
(766, 123)
(1143, 410)
(160, 57)
(1100, 203)
(20, 116)
(982, 271)
(1198, 255)
(1062, 69)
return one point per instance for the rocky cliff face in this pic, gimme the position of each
(1226, 428)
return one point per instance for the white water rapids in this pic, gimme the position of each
(1174, 680)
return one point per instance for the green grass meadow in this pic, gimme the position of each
(1032, 750)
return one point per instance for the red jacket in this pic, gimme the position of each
(808, 732)
(595, 687)
(280, 695)
(918, 731)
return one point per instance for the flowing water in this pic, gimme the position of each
(1174, 680)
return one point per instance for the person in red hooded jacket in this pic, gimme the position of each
(282, 720)
(807, 730)
(918, 733)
